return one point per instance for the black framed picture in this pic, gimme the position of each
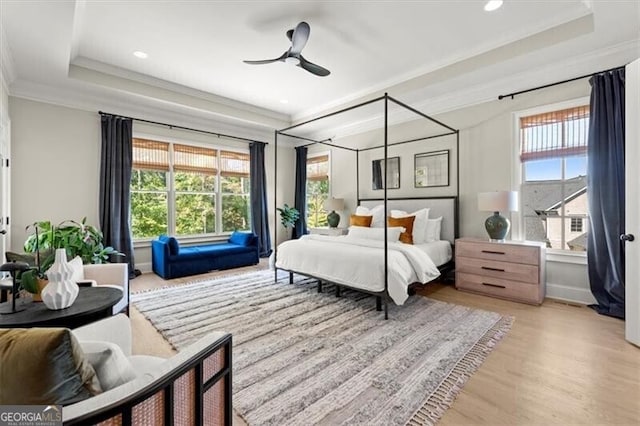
(393, 173)
(431, 169)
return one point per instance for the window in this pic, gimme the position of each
(576, 224)
(184, 190)
(234, 185)
(317, 190)
(553, 152)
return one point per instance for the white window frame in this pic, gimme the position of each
(517, 219)
(171, 219)
(329, 172)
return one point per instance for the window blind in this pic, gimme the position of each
(318, 168)
(194, 159)
(150, 155)
(234, 164)
(554, 134)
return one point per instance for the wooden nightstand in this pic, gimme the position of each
(333, 232)
(513, 270)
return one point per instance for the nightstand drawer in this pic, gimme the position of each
(502, 270)
(501, 252)
(499, 288)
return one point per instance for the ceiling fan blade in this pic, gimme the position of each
(299, 38)
(313, 68)
(267, 61)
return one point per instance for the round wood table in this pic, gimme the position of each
(92, 304)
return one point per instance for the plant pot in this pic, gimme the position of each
(42, 283)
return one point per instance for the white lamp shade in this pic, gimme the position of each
(498, 201)
(334, 204)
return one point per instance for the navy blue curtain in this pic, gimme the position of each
(259, 212)
(605, 186)
(301, 192)
(116, 160)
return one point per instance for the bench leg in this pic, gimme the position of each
(378, 303)
(319, 286)
(290, 277)
(338, 291)
(386, 309)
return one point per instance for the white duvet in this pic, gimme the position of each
(358, 263)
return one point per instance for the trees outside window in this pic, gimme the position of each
(553, 152)
(317, 190)
(187, 190)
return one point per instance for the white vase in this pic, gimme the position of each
(61, 291)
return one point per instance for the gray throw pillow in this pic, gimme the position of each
(110, 363)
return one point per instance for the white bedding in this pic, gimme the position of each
(358, 263)
(439, 251)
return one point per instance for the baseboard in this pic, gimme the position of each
(570, 294)
(144, 267)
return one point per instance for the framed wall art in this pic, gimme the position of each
(393, 174)
(431, 169)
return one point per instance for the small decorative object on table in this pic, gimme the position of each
(13, 268)
(333, 204)
(61, 291)
(498, 226)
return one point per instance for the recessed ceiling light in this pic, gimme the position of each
(284, 101)
(492, 5)
(140, 54)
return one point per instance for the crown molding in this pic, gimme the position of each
(111, 76)
(468, 96)
(96, 99)
(6, 59)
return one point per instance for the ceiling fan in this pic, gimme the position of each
(298, 37)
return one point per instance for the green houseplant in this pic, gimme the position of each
(288, 216)
(77, 238)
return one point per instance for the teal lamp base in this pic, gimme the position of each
(333, 219)
(497, 227)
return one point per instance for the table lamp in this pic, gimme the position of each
(497, 225)
(334, 204)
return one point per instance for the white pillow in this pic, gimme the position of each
(112, 366)
(419, 223)
(377, 212)
(78, 270)
(434, 227)
(393, 233)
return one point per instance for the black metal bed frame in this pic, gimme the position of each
(382, 295)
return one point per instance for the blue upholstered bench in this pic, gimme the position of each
(169, 260)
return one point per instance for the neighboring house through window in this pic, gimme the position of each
(317, 189)
(187, 190)
(553, 153)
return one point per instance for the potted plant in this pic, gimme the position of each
(288, 216)
(77, 238)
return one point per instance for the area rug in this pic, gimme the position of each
(301, 357)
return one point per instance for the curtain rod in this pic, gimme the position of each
(511, 95)
(173, 126)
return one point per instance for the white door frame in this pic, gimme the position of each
(632, 202)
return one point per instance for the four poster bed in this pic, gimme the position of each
(372, 260)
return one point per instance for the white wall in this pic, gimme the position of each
(55, 161)
(56, 158)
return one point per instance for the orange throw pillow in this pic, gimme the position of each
(407, 223)
(360, 220)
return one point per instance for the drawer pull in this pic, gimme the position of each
(492, 269)
(493, 285)
(493, 252)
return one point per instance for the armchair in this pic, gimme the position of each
(192, 387)
(114, 275)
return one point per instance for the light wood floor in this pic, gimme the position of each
(558, 365)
